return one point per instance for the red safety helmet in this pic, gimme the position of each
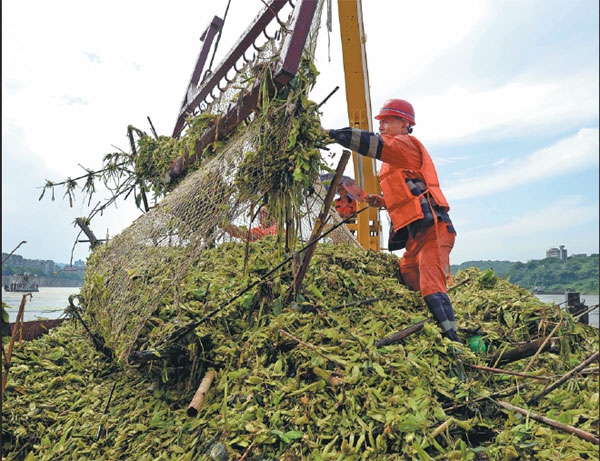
(397, 108)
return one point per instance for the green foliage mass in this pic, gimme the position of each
(332, 396)
(499, 267)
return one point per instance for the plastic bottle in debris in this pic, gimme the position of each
(477, 345)
(218, 452)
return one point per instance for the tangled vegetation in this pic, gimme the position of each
(306, 381)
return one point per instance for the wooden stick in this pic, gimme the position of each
(310, 346)
(503, 393)
(507, 372)
(200, 393)
(299, 277)
(396, 337)
(99, 433)
(550, 422)
(16, 327)
(467, 280)
(589, 309)
(534, 358)
(564, 378)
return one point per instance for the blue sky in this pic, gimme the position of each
(505, 94)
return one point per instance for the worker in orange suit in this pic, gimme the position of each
(268, 226)
(415, 203)
(345, 205)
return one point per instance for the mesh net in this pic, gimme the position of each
(127, 277)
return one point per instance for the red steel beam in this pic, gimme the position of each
(284, 72)
(246, 40)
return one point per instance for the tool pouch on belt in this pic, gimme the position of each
(397, 239)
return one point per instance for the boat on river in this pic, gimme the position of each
(24, 283)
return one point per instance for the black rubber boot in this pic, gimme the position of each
(441, 308)
(449, 311)
(451, 335)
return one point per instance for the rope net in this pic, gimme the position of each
(129, 277)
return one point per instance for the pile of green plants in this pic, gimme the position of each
(304, 380)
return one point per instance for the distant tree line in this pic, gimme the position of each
(58, 273)
(549, 274)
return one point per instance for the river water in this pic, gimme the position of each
(50, 302)
(588, 300)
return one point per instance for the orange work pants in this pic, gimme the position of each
(424, 262)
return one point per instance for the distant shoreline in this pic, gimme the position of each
(49, 282)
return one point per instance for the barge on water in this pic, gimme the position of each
(24, 283)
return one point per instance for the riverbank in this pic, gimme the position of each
(55, 282)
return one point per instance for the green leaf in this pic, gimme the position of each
(281, 435)
(379, 369)
(298, 175)
(294, 435)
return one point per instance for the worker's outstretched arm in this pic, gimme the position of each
(399, 151)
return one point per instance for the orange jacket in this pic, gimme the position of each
(259, 232)
(398, 156)
(345, 207)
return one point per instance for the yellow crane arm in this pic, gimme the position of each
(359, 113)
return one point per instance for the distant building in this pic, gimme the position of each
(584, 255)
(560, 253)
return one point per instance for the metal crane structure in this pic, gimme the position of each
(358, 98)
(203, 90)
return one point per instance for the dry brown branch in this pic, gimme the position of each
(507, 372)
(534, 358)
(550, 422)
(310, 346)
(563, 378)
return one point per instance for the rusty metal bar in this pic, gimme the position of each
(293, 45)
(284, 72)
(216, 131)
(207, 38)
(236, 52)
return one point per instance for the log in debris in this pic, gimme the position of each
(542, 346)
(200, 394)
(400, 335)
(524, 351)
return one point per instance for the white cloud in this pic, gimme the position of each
(567, 155)
(529, 235)
(448, 160)
(516, 108)
(402, 41)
